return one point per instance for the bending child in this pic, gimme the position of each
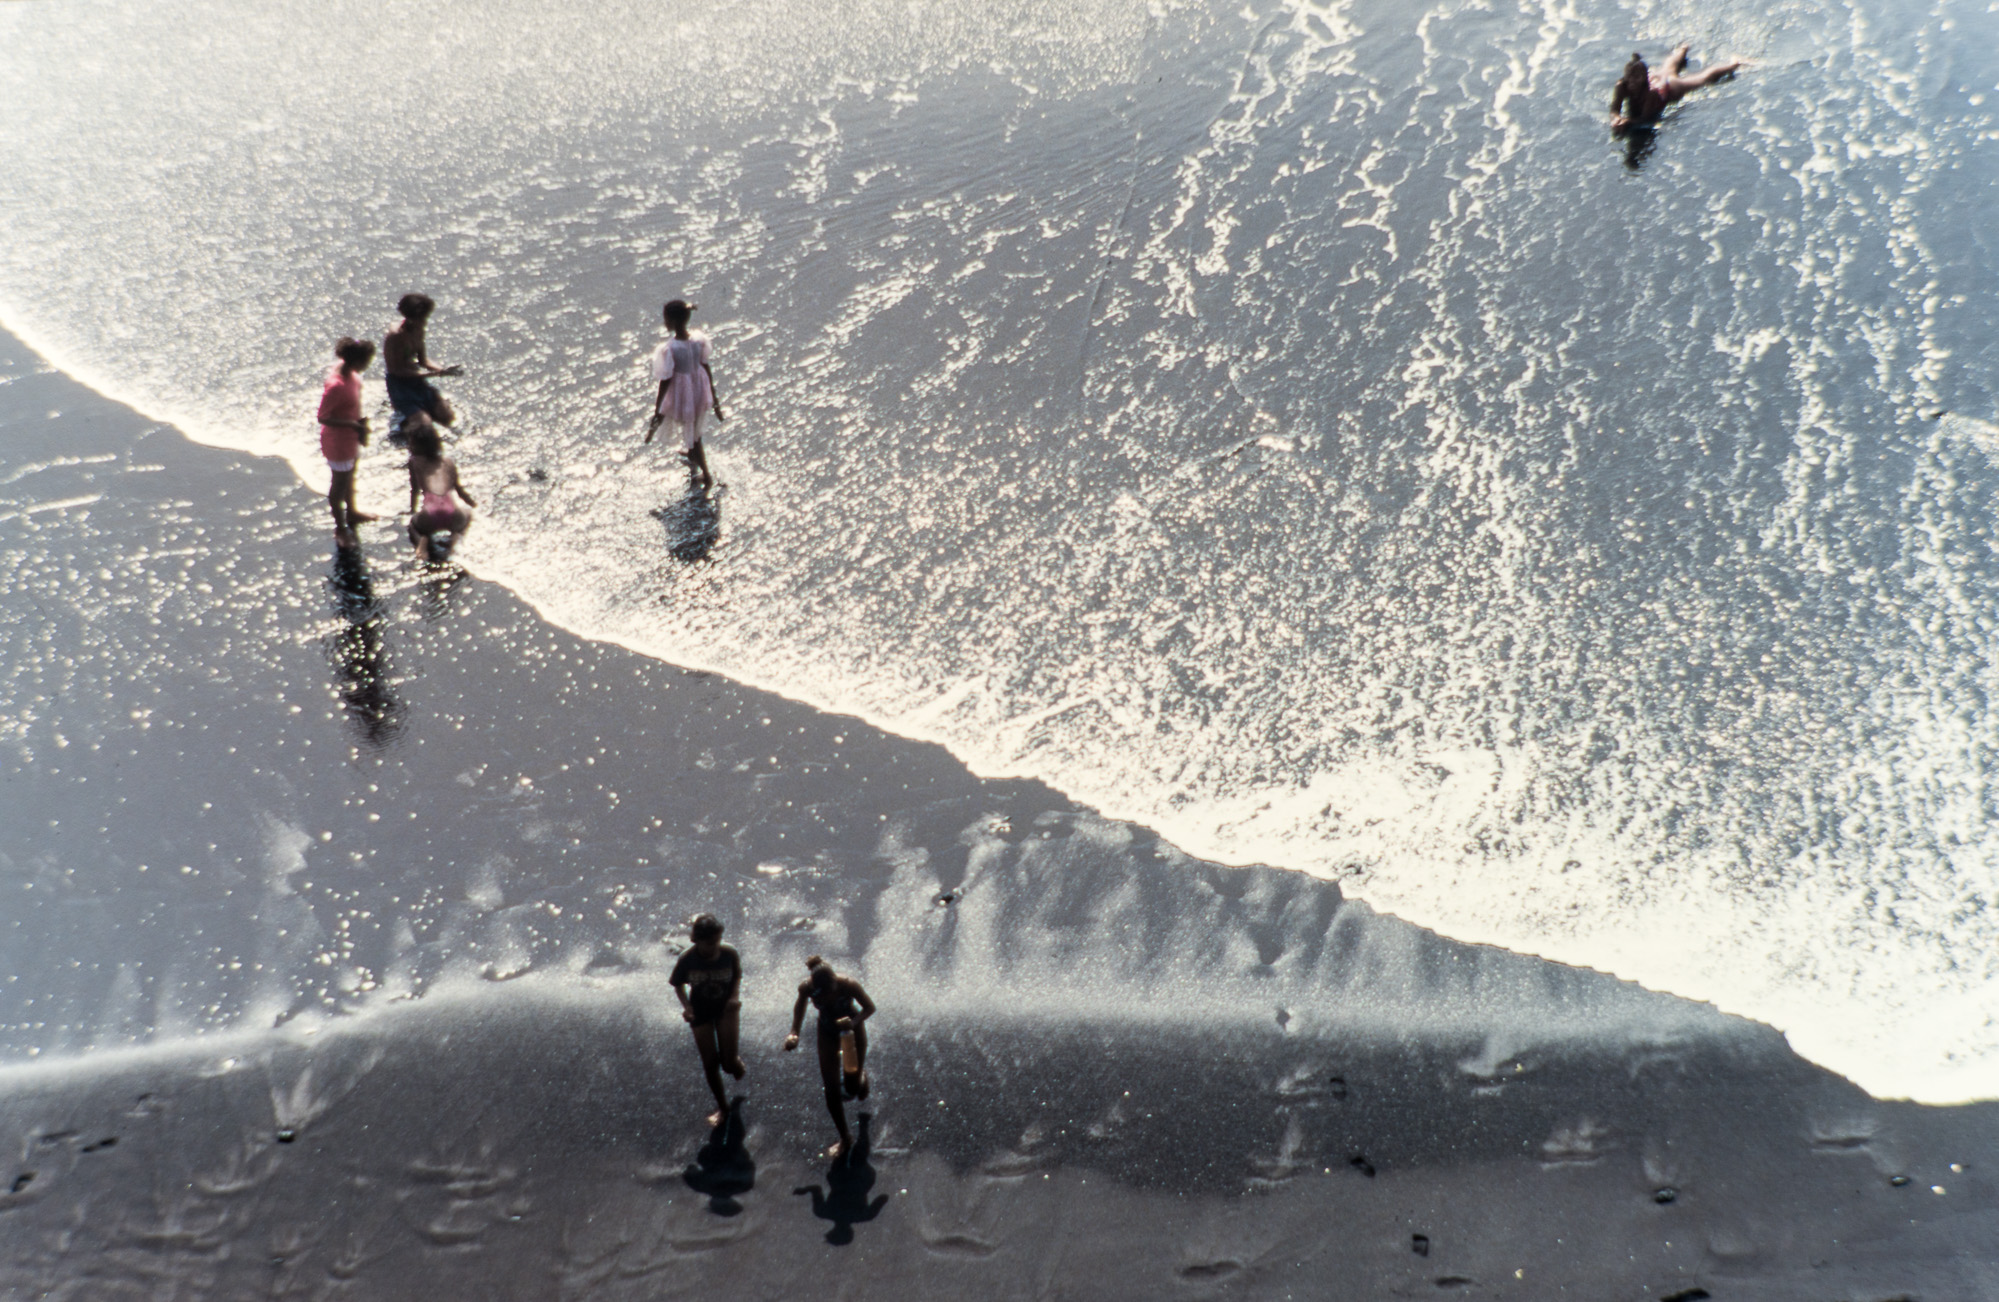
(433, 482)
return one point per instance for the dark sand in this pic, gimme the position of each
(381, 1019)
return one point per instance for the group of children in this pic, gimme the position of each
(709, 978)
(435, 491)
(685, 396)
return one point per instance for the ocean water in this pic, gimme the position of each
(1298, 428)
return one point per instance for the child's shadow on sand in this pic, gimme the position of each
(694, 523)
(724, 1168)
(844, 1201)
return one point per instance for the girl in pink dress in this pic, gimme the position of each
(342, 431)
(686, 387)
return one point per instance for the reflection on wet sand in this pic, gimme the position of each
(357, 653)
(693, 523)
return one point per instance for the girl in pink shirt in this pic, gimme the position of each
(342, 431)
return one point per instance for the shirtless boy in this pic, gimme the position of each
(406, 358)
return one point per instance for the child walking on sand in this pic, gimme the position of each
(708, 978)
(843, 1005)
(686, 387)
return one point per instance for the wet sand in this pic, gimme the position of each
(383, 1013)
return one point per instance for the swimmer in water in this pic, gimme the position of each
(708, 978)
(433, 483)
(342, 431)
(1641, 95)
(686, 391)
(842, 1006)
(406, 357)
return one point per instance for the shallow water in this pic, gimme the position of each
(1297, 428)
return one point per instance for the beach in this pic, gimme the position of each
(1387, 685)
(384, 1013)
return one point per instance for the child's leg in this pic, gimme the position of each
(829, 1076)
(354, 513)
(1709, 76)
(704, 1040)
(727, 1032)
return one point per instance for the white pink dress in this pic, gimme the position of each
(682, 363)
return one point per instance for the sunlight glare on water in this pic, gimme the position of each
(1294, 427)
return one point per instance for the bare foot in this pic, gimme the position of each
(361, 517)
(345, 539)
(736, 1068)
(717, 1117)
(837, 1151)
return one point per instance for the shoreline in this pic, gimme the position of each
(297, 467)
(412, 788)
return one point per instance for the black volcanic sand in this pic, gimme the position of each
(383, 1014)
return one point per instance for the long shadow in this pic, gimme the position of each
(358, 653)
(694, 523)
(724, 1169)
(844, 1201)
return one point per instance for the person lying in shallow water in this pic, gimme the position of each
(842, 1006)
(1641, 95)
(433, 483)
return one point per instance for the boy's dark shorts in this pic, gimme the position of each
(413, 393)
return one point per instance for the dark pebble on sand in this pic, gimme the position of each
(22, 1181)
(1664, 1196)
(106, 1142)
(1898, 1180)
(1360, 1163)
(1688, 1295)
(1338, 1086)
(287, 1135)
(1419, 1244)
(538, 475)
(946, 898)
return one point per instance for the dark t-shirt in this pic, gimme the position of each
(707, 980)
